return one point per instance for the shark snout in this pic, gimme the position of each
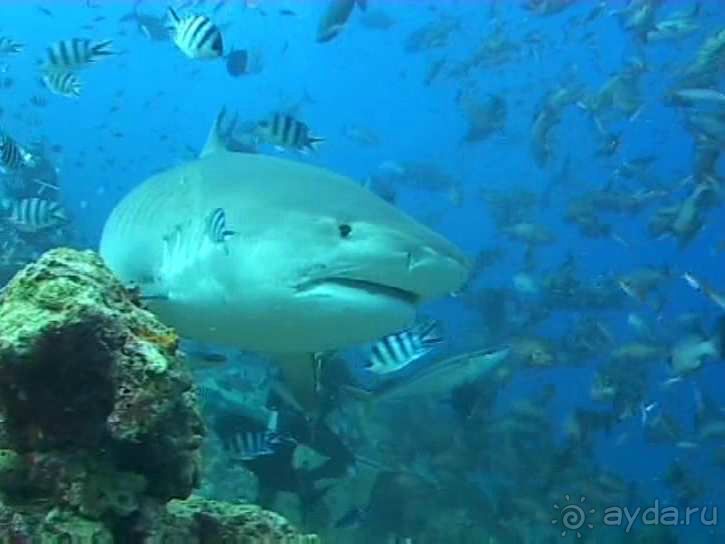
(432, 273)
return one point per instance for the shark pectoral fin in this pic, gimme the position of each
(300, 375)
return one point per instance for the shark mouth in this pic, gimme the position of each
(367, 286)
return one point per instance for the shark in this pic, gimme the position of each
(308, 260)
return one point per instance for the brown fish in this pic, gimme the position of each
(335, 18)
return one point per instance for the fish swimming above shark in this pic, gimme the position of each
(316, 262)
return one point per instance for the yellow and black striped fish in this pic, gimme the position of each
(76, 53)
(34, 214)
(285, 132)
(12, 156)
(196, 36)
(63, 83)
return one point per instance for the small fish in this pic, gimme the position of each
(9, 46)
(250, 445)
(697, 96)
(693, 351)
(669, 382)
(714, 296)
(237, 62)
(285, 132)
(76, 53)
(335, 18)
(154, 28)
(45, 11)
(63, 83)
(38, 101)
(196, 36)
(645, 409)
(32, 215)
(216, 228)
(396, 351)
(12, 156)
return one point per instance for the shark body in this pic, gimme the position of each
(312, 261)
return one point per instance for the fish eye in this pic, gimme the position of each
(345, 230)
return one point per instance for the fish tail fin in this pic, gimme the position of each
(314, 143)
(102, 49)
(76, 88)
(173, 16)
(430, 333)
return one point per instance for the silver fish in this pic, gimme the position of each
(440, 378)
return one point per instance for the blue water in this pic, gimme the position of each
(164, 104)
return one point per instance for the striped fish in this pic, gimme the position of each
(34, 214)
(12, 156)
(285, 132)
(396, 351)
(196, 36)
(63, 83)
(250, 445)
(216, 228)
(9, 47)
(76, 53)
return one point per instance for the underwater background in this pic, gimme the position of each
(570, 148)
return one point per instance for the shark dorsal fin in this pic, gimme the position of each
(214, 142)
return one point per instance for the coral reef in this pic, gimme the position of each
(206, 520)
(99, 421)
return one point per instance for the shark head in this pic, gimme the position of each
(310, 260)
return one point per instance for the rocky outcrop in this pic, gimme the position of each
(99, 422)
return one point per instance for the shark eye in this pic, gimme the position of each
(345, 230)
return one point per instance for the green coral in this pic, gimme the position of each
(213, 521)
(99, 420)
(62, 526)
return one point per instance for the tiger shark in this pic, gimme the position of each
(309, 260)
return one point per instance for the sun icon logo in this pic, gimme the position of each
(572, 516)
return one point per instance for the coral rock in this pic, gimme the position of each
(99, 420)
(83, 366)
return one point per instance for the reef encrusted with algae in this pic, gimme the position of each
(99, 422)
